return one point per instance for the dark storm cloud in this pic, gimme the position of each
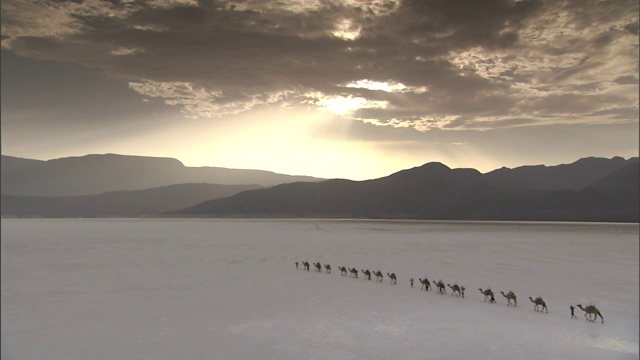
(463, 64)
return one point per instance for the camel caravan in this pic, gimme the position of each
(591, 313)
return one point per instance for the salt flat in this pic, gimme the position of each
(229, 289)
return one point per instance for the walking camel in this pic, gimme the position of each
(392, 278)
(455, 289)
(378, 275)
(354, 272)
(488, 294)
(510, 296)
(539, 303)
(306, 265)
(440, 286)
(328, 268)
(343, 270)
(367, 274)
(318, 267)
(425, 283)
(592, 312)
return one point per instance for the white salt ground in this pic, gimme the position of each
(229, 289)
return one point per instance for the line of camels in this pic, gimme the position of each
(591, 313)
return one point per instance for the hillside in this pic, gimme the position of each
(574, 176)
(590, 189)
(131, 203)
(434, 191)
(95, 174)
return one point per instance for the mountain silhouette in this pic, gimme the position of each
(590, 189)
(434, 191)
(95, 174)
(574, 176)
(127, 203)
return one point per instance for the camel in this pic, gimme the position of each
(510, 296)
(367, 274)
(328, 268)
(592, 311)
(488, 294)
(343, 270)
(306, 265)
(539, 303)
(454, 289)
(318, 267)
(354, 272)
(392, 278)
(425, 283)
(378, 275)
(440, 286)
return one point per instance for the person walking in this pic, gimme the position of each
(573, 316)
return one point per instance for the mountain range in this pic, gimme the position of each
(97, 173)
(590, 189)
(434, 191)
(126, 203)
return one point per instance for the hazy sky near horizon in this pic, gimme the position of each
(352, 89)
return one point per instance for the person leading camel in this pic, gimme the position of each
(454, 289)
(440, 286)
(488, 295)
(425, 282)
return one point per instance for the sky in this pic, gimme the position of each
(350, 89)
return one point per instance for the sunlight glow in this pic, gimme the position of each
(122, 51)
(290, 142)
(343, 105)
(346, 30)
(423, 124)
(387, 86)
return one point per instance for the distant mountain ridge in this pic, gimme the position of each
(98, 173)
(590, 189)
(574, 176)
(126, 203)
(434, 191)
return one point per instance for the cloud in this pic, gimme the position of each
(421, 64)
(197, 101)
(342, 105)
